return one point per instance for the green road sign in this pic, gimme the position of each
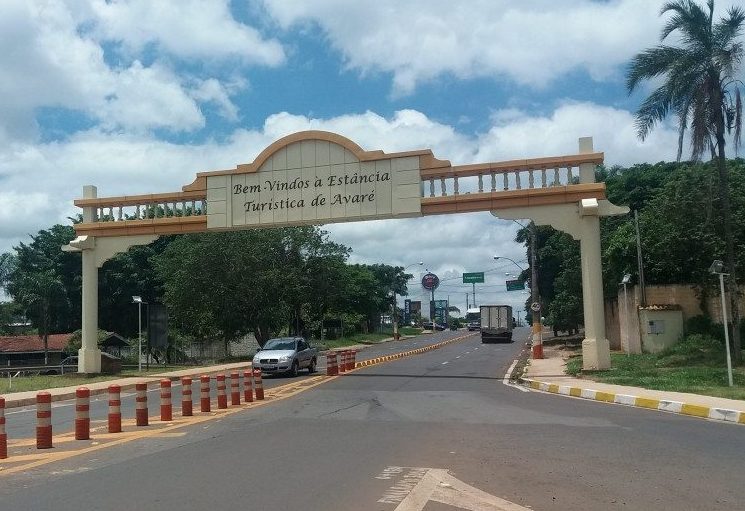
(473, 278)
(515, 285)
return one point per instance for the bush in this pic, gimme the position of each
(694, 349)
(704, 325)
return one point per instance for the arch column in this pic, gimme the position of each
(95, 252)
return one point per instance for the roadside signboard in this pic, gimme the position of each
(473, 278)
(439, 310)
(407, 311)
(535, 307)
(430, 281)
(515, 285)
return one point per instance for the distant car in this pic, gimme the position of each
(427, 325)
(286, 355)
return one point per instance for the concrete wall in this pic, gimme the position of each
(625, 308)
(612, 323)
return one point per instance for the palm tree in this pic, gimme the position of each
(701, 87)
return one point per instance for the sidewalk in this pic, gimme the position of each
(17, 399)
(548, 375)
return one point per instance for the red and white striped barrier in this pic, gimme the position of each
(43, 420)
(186, 402)
(141, 404)
(204, 393)
(258, 385)
(166, 408)
(351, 359)
(82, 413)
(343, 361)
(222, 398)
(248, 393)
(3, 435)
(235, 388)
(115, 409)
(331, 368)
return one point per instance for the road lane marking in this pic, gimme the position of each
(415, 487)
(444, 363)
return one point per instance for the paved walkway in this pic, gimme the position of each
(550, 370)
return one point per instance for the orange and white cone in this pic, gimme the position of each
(235, 388)
(43, 420)
(3, 435)
(343, 361)
(166, 408)
(331, 368)
(258, 385)
(141, 418)
(115, 409)
(222, 398)
(204, 393)
(186, 402)
(248, 393)
(82, 413)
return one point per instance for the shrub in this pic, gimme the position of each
(694, 349)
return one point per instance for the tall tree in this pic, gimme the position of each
(700, 85)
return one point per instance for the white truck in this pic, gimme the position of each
(496, 323)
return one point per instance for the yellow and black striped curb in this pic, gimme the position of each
(418, 351)
(704, 412)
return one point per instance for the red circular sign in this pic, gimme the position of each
(430, 281)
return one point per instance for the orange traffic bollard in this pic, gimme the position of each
(82, 413)
(115, 409)
(186, 403)
(222, 398)
(352, 359)
(204, 393)
(141, 404)
(258, 384)
(343, 361)
(235, 388)
(3, 435)
(166, 408)
(331, 368)
(43, 420)
(248, 393)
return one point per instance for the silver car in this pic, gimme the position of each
(286, 355)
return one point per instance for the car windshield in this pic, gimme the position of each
(280, 344)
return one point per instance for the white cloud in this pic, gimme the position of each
(185, 28)
(54, 58)
(531, 43)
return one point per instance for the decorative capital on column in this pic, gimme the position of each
(80, 243)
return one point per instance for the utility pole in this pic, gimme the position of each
(467, 306)
(474, 294)
(535, 298)
(642, 290)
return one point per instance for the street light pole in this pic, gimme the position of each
(138, 301)
(716, 268)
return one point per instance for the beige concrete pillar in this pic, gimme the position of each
(89, 356)
(595, 347)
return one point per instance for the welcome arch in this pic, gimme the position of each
(318, 177)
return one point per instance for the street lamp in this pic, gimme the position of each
(510, 260)
(717, 268)
(395, 303)
(624, 281)
(138, 300)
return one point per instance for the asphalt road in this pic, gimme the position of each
(369, 440)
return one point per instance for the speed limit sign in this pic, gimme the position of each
(535, 307)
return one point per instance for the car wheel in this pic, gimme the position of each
(312, 366)
(293, 371)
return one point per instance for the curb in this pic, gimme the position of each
(29, 401)
(386, 358)
(677, 407)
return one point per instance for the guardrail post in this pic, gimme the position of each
(82, 413)
(235, 388)
(204, 393)
(3, 435)
(43, 420)
(115, 409)
(222, 398)
(166, 409)
(141, 404)
(248, 394)
(186, 401)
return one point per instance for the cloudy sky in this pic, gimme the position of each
(137, 96)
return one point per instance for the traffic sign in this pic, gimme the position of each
(430, 281)
(473, 278)
(535, 307)
(515, 285)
